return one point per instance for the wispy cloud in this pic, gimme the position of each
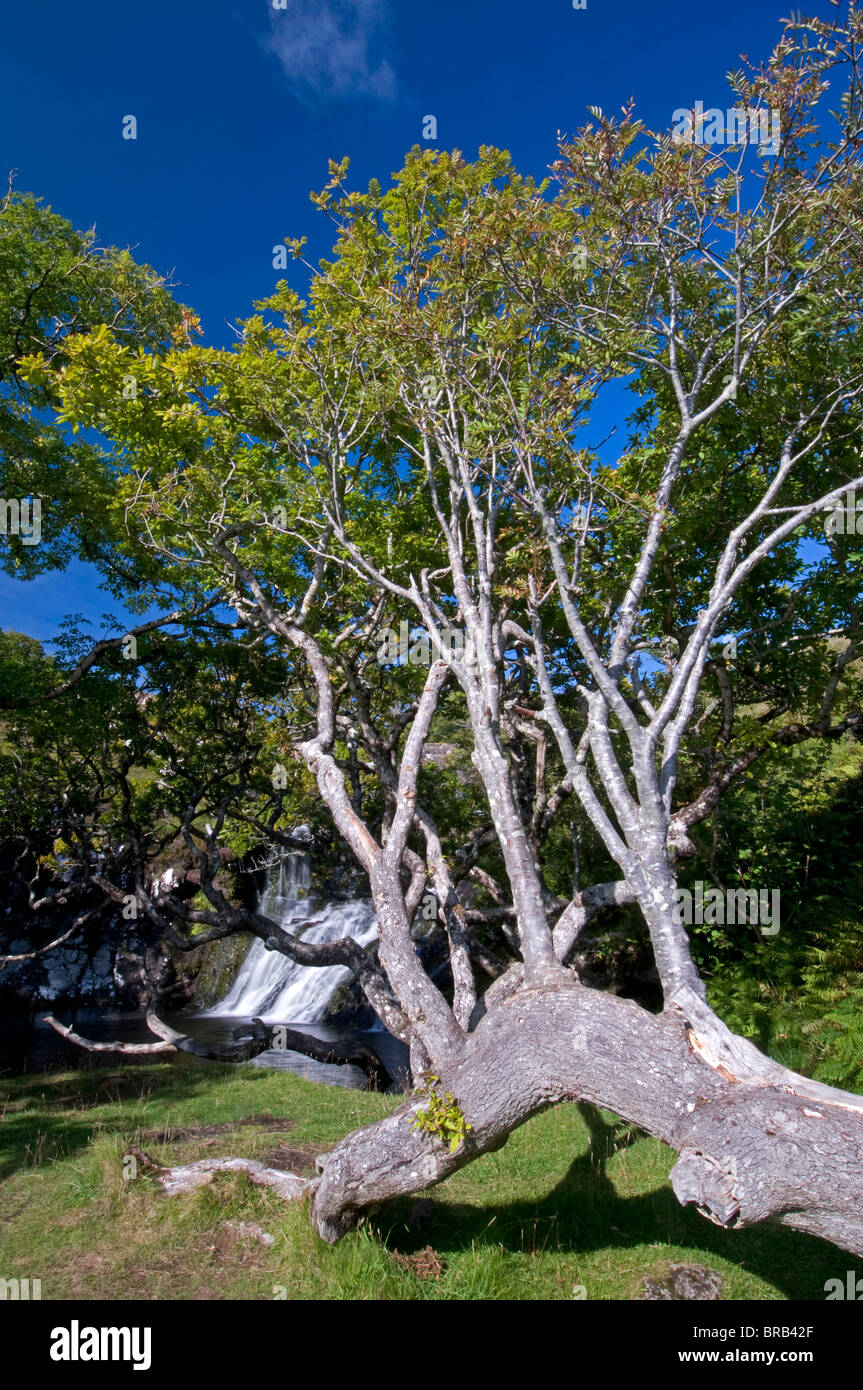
(327, 48)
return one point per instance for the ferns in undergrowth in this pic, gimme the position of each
(833, 983)
(802, 1002)
(798, 994)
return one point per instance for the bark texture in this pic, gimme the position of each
(752, 1147)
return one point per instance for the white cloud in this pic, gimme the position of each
(326, 48)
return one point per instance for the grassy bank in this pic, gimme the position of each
(564, 1203)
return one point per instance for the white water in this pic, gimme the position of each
(276, 989)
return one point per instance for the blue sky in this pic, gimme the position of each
(239, 106)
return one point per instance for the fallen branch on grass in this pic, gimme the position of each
(189, 1176)
(249, 1041)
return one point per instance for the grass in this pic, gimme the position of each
(574, 1198)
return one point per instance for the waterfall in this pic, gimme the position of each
(275, 988)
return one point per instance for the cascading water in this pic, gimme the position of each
(273, 987)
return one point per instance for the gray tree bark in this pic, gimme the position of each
(756, 1142)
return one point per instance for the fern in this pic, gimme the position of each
(802, 1003)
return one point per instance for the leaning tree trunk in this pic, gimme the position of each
(756, 1142)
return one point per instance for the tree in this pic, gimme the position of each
(57, 284)
(627, 636)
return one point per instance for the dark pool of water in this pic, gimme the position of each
(28, 1044)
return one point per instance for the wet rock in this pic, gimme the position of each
(218, 968)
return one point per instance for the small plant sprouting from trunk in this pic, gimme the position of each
(442, 1117)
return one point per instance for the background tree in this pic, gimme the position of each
(57, 284)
